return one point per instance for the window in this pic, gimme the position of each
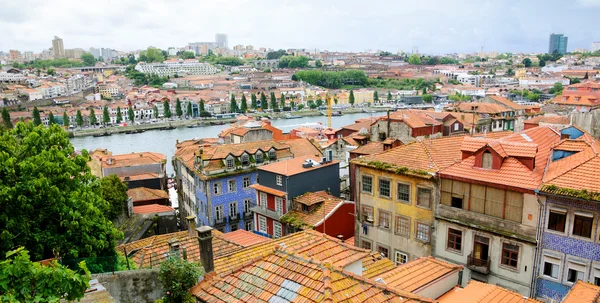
(367, 184)
(404, 192)
(367, 214)
(217, 189)
(279, 180)
(557, 220)
(510, 255)
(366, 244)
(457, 202)
(456, 126)
(246, 182)
(486, 160)
(454, 239)
(582, 226)
(305, 208)
(279, 204)
(424, 197)
(230, 163)
(259, 157)
(272, 155)
(233, 209)
(576, 272)
(262, 224)
(384, 219)
(247, 205)
(400, 258)
(402, 226)
(248, 225)
(384, 251)
(219, 213)
(384, 188)
(596, 277)
(231, 186)
(277, 231)
(262, 200)
(234, 227)
(422, 232)
(245, 160)
(551, 267)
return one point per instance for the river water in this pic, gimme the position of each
(163, 141)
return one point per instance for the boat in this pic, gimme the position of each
(135, 131)
(104, 134)
(290, 116)
(194, 126)
(336, 113)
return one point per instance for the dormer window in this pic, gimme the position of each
(272, 154)
(245, 160)
(259, 157)
(230, 163)
(305, 208)
(577, 99)
(486, 160)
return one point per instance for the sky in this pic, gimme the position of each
(431, 26)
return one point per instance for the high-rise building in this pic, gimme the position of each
(558, 43)
(595, 46)
(14, 55)
(221, 40)
(28, 56)
(58, 47)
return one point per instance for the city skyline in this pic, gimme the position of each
(434, 27)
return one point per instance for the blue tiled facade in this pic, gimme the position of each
(566, 248)
(208, 201)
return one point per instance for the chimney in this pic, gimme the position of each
(206, 251)
(191, 221)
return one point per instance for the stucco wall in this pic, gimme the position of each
(133, 286)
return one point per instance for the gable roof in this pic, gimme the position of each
(144, 194)
(245, 238)
(419, 273)
(478, 292)
(305, 220)
(506, 102)
(412, 119)
(132, 159)
(152, 208)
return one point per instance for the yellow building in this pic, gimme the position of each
(360, 96)
(396, 194)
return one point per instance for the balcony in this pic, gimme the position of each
(267, 212)
(234, 218)
(247, 214)
(219, 221)
(482, 266)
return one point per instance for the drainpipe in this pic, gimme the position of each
(537, 250)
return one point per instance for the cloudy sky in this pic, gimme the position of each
(432, 26)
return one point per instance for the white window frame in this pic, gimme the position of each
(279, 180)
(400, 255)
(456, 126)
(247, 159)
(279, 204)
(577, 266)
(231, 189)
(262, 224)
(277, 230)
(554, 261)
(233, 209)
(246, 182)
(248, 225)
(417, 232)
(229, 161)
(219, 213)
(247, 205)
(595, 274)
(262, 200)
(217, 190)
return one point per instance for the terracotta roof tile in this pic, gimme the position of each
(583, 292)
(506, 102)
(478, 292)
(133, 159)
(418, 273)
(412, 119)
(294, 166)
(145, 194)
(369, 148)
(268, 190)
(329, 205)
(245, 238)
(549, 120)
(152, 208)
(144, 176)
(375, 264)
(483, 108)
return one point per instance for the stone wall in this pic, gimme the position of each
(590, 121)
(132, 286)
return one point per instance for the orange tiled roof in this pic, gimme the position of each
(585, 100)
(152, 208)
(549, 120)
(245, 238)
(506, 102)
(349, 241)
(412, 119)
(375, 264)
(133, 159)
(144, 176)
(418, 273)
(369, 148)
(145, 194)
(293, 166)
(504, 148)
(478, 292)
(583, 292)
(484, 108)
(574, 171)
(268, 190)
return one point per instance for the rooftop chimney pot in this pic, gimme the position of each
(206, 251)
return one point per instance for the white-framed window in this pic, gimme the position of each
(279, 204)
(400, 258)
(487, 159)
(246, 182)
(259, 157)
(583, 224)
(230, 163)
(575, 272)
(279, 180)
(231, 186)
(277, 230)
(422, 232)
(262, 224)
(219, 212)
(272, 155)
(248, 225)
(557, 220)
(367, 184)
(217, 188)
(595, 278)
(247, 205)
(262, 201)
(245, 160)
(233, 209)
(551, 267)
(456, 126)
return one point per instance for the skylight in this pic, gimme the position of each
(526, 137)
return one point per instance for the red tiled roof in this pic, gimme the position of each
(152, 208)
(418, 273)
(369, 148)
(245, 238)
(478, 292)
(506, 102)
(549, 120)
(583, 292)
(145, 194)
(133, 159)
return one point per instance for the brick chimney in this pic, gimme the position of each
(206, 250)
(191, 222)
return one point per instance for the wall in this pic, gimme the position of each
(157, 168)
(398, 130)
(226, 197)
(438, 288)
(341, 222)
(322, 178)
(590, 121)
(136, 286)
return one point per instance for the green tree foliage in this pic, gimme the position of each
(311, 104)
(167, 110)
(51, 119)
(140, 79)
(119, 115)
(459, 97)
(556, 89)
(131, 114)
(51, 72)
(105, 115)
(550, 57)
(293, 62)
(414, 59)
(188, 111)
(45, 64)
(427, 98)
(37, 120)
(244, 106)
(351, 98)
(177, 276)
(202, 105)
(92, 118)
(230, 61)
(319, 102)
(233, 106)
(79, 118)
(273, 101)
(332, 79)
(542, 63)
(527, 62)
(389, 96)
(22, 280)
(154, 112)
(375, 96)
(65, 119)
(51, 203)
(300, 106)
(114, 191)
(276, 54)
(188, 55)
(88, 59)
(152, 55)
(178, 109)
(263, 101)
(253, 103)
(318, 64)
(6, 118)
(533, 97)
(282, 101)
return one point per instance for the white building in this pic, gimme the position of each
(11, 77)
(180, 67)
(34, 94)
(51, 90)
(595, 46)
(77, 83)
(541, 82)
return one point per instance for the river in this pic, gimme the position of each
(163, 141)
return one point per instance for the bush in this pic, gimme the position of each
(177, 276)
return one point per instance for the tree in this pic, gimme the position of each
(263, 101)
(351, 98)
(119, 115)
(188, 55)
(189, 111)
(167, 110)
(6, 118)
(155, 112)
(319, 102)
(389, 96)
(51, 72)
(318, 63)
(233, 106)
(202, 105)
(43, 175)
(244, 106)
(105, 116)
(542, 63)
(556, 89)
(375, 96)
(527, 62)
(131, 114)
(93, 120)
(152, 55)
(424, 91)
(51, 119)
(79, 118)
(65, 119)
(282, 101)
(276, 54)
(533, 97)
(88, 59)
(335, 100)
(177, 276)
(178, 109)
(114, 191)
(253, 104)
(273, 101)
(414, 59)
(427, 98)
(586, 76)
(22, 280)
(37, 120)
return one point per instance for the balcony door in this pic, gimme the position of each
(481, 250)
